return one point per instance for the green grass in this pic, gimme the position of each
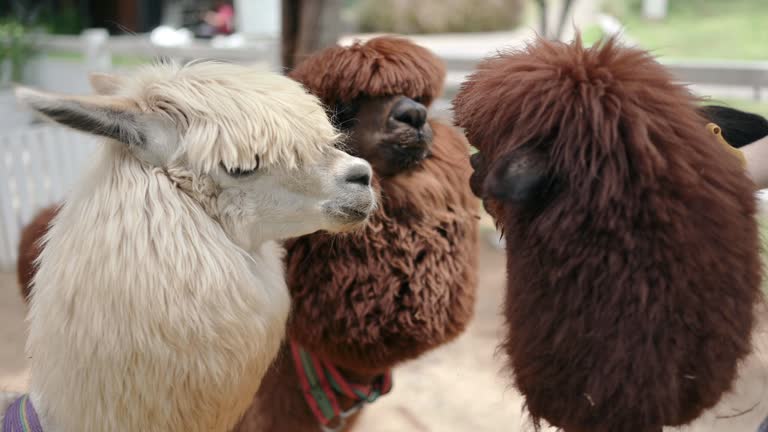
(717, 29)
(118, 60)
(744, 105)
(704, 29)
(130, 60)
(68, 56)
(590, 35)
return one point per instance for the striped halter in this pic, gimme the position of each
(321, 381)
(21, 417)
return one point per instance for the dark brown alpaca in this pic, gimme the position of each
(404, 284)
(633, 255)
(30, 247)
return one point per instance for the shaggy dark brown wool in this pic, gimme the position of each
(634, 274)
(30, 248)
(382, 66)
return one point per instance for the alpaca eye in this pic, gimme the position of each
(343, 115)
(241, 172)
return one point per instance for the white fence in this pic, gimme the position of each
(38, 165)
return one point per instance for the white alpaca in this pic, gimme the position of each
(160, 299)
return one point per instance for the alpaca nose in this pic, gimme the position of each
(359, 173)
(410, 112)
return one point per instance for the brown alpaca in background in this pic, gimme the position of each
(633, 258)
(405, 284)
(30, 247)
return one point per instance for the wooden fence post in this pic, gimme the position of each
(260, 20)
(97, 55)
(655, 9)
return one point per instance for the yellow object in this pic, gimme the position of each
(717, 132)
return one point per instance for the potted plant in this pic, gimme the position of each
(15, 50)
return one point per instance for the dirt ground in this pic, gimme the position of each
(459, 387)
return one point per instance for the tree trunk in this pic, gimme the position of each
(308, 26)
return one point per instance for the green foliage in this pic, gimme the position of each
(715, 29)
(741, 104)
(622, 8)
(439, 16)
(591, 34)
(67, 21)
(15, 49)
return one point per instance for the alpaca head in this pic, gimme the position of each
(558, 124)
(378, 92)
(254, 147)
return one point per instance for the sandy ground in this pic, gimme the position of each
(459, 387)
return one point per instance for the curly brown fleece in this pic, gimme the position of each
(30, 248)
(402, 285)
(633, 278)
(382, 66)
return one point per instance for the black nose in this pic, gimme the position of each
(359, 174)
(410, 112)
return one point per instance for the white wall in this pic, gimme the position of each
(259, 18)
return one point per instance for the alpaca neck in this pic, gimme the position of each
(145, 315)
(280, 406)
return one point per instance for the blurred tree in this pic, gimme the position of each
(64, 16)
(308, 26)
(26, 11)
(544, 15)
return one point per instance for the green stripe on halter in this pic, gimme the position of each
(321, 381)
(23, 413)
(317, 392)
(359, 393)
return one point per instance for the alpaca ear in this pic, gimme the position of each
(108, 116)
(105, 84)
(514, 179)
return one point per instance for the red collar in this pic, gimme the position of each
(321, 381)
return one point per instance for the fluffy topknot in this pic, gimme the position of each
(383, 66)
